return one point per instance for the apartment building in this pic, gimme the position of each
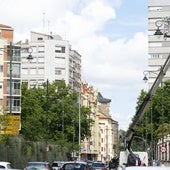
(102, 145)
(53, 59)
(10, 81)
(89, 98)
(159, 46)
(159, 49)
(108, 131)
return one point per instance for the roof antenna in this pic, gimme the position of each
(43, 22)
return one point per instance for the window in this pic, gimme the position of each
(39, 38)
(16, 101)
(24, 71)
(41, 49)
(59, 49)
(16, 84)
(40, 70)
(33, 71)
(1, 68)
(57, 72)
(40, 59)
(155, 56)
(15, 70)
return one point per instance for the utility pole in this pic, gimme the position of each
(10, 81)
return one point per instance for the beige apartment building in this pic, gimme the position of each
(102, 145)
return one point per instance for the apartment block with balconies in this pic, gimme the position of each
(53, 59)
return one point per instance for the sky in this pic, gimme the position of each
(110, 35)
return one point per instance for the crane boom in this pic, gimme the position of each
(140, 112)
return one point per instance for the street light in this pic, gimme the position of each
(79, 125)
(165, 23)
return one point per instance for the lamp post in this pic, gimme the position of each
(10, 86)
(79, 124)
(47, 118)
(163, 26)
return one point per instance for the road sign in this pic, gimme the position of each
(163, 149)
(9, 124)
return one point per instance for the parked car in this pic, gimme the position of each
(5, 165)
(89, 164)
(98, 166)
(56, 165)
(38, 166)
(75, 165)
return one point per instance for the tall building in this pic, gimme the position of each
(159, 46)
(53, 59)
(159, 50)
(10, 81)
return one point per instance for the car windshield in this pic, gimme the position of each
(55, 164)
(98, 165)
(74, 166)
(38, 165)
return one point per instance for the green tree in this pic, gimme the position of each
(156, 120)
(51, 112)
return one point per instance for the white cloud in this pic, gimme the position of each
(113, 66)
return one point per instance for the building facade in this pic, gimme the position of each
(108, 131)
(89, 98)
(159, 50)
(102, 145)
(158, 45)
(10, 81)
(53, 59)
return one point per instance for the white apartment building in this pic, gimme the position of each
(159, 50)
(53, 59)
(159, 47)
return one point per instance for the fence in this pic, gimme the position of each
(18, 151)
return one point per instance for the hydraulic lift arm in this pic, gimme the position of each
(140, 112)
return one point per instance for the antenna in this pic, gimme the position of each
(43, 22)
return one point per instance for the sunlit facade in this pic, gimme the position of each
(53, 59)
(102, 145)
(158, 45)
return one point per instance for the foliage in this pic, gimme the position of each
(51, 113)
(156, 120)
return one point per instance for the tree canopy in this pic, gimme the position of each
(51, 112)
(156, 120)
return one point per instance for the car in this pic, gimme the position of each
(38, 166)
(89, 164)
(56, 165)
(74, 165)
(98, 166)
(5, 165)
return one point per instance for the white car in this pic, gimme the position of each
(5, 165)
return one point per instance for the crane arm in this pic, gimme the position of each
(140, 112)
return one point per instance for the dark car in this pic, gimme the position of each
(74, 166)
(89, 164)
(38, 166)
(98, 166)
